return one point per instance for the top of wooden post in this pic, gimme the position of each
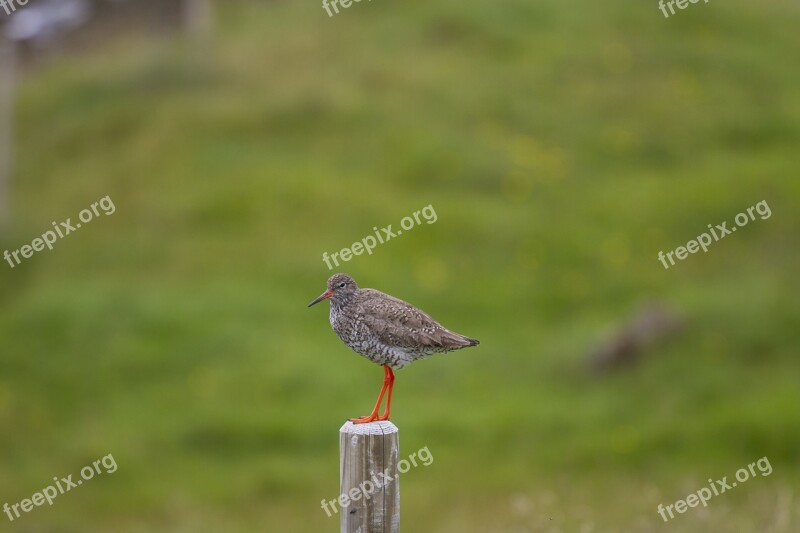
(372, 428)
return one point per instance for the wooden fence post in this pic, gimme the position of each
(198, 16)
(7, 81)
(369, 479)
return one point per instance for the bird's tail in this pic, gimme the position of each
(462, 341)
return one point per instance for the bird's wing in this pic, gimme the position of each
(399, 324)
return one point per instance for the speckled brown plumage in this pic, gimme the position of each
(384, 329)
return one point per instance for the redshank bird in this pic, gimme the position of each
(385, 330)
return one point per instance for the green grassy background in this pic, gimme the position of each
(562, 145)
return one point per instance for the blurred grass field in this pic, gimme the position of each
(563, 144)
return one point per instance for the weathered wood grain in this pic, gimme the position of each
(369, 479)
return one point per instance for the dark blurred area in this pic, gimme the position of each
(563, 145)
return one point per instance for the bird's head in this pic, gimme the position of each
(340, 288)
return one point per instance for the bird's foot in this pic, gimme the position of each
(365, 419)
(371, 418)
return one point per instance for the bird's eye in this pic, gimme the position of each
(341, 285)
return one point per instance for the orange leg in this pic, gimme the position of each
(385, 415)
(388, 382)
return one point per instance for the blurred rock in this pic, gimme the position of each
(652, 325)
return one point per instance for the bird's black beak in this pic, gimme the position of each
(324, 296)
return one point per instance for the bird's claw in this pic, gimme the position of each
(363, 419)
(371, 418)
